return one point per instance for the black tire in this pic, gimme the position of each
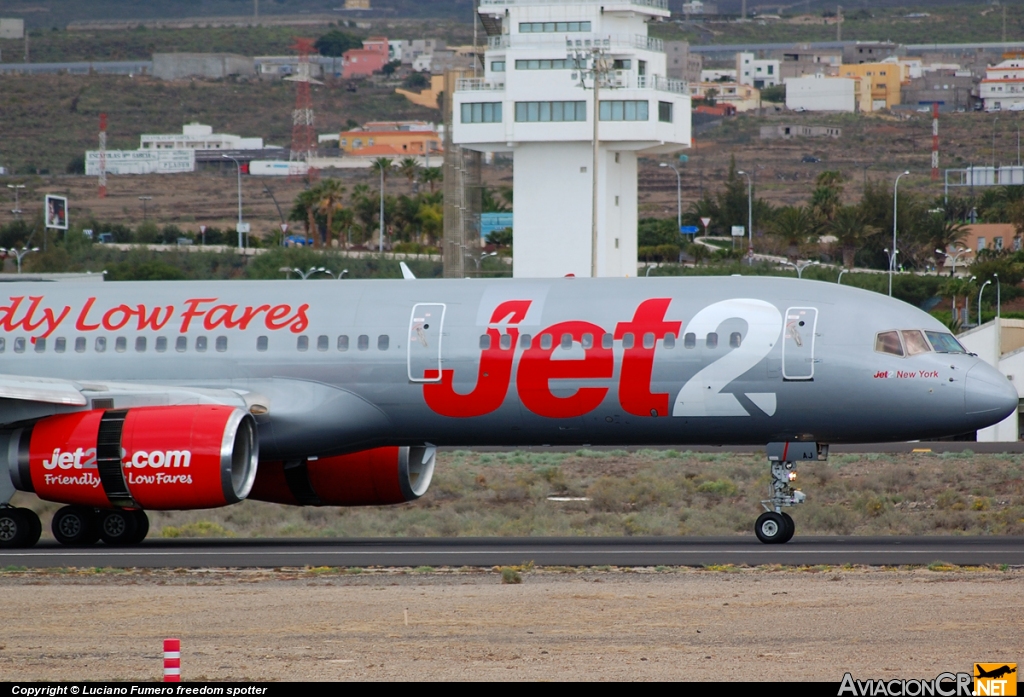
(118, 527)
(75, 526)
(14, 528)
(790, 529)
(35, 526)
(770, 528)
(142, 526)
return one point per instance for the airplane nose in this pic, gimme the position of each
(987, 392)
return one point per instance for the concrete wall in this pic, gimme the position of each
(817, 93)
(553, 233)
(178, 66)
(985, 341)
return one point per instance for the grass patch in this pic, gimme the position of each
(942, 566)
(200, 528)
(510, 575)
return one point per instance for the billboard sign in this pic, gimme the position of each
(738, 231)
(56, 212)
(168, 161)
(689, 229)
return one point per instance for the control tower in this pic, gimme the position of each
(536, 100)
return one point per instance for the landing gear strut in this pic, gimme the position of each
(773, 526)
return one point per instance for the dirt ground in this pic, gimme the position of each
(644, 624)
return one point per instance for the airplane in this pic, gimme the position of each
(118, 398)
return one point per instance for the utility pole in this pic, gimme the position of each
(599, 69)
(839, 22)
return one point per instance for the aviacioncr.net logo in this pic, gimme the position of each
(943, 685)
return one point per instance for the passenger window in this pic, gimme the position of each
(101, 344)
(627, 340)
(79, 344)
(261, 343)
(607, 341)
(485, 342)
(587, 341)
(690, 340)
(200, 343)
(221, 344)
(669, 341)
(140, 344)
(566, 342)
(383, 341)
(505, 342)
(161, 344)
(649, 340)
(303, 343)
(120, 344)
(322, 342)
(363, 342)
(40, 345)
(888, 342)
(545, 341)
(343, 342)
(3, 344)
(712, 340)
(735, 339)
(181, 344)
(60, 345)
(19, 345)
(525, 340)
(915, 342)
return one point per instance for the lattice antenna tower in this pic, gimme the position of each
(303, 136)
(103, 155)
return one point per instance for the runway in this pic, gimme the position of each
(487, 552)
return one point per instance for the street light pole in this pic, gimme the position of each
(380, 242)
(840, 279)
(750, 217)
(982, 290)
(238, 168)
(892, 257)
(19, 254)
(17, 208)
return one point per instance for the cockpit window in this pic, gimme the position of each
(915, 342)
(889, 342)
(945, 343)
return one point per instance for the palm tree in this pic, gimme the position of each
(794, 224)
(346, 224)
(304, 208)
(826, 199)
(409, 168)
(430, 176)
(851, 230)
(331, 193)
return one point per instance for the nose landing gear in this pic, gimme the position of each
(773, 526)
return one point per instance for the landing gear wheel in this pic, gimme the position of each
(118, 527)
(14, 528)
(771, 528)
(75, 526)
(141, 526)
(35, 527)
(790, 528)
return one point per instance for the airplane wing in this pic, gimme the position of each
(49, 391)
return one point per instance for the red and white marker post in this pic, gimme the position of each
(172, 660)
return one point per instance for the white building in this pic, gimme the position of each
(197, 136)
(822, 93)
(718, 75)
(1001, 345)
(529, 102)
(1002, 89)
(757, 72)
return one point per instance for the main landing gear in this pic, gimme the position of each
(19, 527)
(78, 526)
(773, 526)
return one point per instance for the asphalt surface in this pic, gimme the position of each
(487, 552)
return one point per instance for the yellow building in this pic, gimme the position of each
(389, 143)
(880, 84)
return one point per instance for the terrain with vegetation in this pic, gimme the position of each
(649, 492)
